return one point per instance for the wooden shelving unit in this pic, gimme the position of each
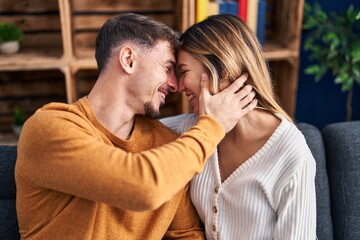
(59, 45)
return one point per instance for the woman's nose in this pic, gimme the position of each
(181, 85)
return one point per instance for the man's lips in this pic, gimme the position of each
(163, 95)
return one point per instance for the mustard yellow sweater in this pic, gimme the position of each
(76, 180)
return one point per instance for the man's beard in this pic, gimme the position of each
(150, 111)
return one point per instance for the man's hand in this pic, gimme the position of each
(228, 106)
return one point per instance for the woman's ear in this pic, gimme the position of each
(126, 59)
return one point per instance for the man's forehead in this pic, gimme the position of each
(165, 52)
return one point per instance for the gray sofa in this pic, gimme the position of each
(337, 154)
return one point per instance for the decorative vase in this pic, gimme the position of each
(9, 47)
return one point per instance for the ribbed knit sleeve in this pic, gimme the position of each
(180, 123)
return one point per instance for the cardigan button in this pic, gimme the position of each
(214, 209)
(213, 228)
(216, 189)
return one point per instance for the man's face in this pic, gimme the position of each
(155, 78)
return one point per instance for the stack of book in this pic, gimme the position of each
(253, 12)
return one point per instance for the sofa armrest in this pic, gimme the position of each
(342, 144)
(324, 229)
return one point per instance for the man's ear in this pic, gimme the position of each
(126, 59)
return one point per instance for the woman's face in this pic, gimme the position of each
(190, 70)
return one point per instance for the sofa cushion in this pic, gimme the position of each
(8, 220)
(324, 229)
(342, 144)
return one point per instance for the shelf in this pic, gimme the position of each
(8, 139)
(28, 60)
(275, 51)
(59, 46)
(85, 59)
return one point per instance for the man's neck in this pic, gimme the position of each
(111, 109)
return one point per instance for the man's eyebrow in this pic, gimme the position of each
(170, 61)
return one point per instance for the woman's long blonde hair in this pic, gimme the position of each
(227, 47)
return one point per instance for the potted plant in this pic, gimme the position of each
(333, 41)
(10, 37)
(19, 119)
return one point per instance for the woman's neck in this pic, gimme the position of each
(256, 124)
(247, 137)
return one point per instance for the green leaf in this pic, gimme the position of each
(352, 14)
(307, 8)
(19, 116)
(356, 70)
(308, 43)
(333, 44)
(331, 37)
(332, 54)
(319, 13)
(347, 85)
(357, 17)
(339, 79)
(355, 55)
(312, 70)
(9, 32)
(310, 23)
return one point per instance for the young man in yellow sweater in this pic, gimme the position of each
(99, 168)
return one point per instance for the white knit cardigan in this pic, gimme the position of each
(270, 196)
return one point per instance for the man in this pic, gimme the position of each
(100, 169)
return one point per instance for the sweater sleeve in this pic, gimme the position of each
(186, 223)
(63, 155)
(297, 208)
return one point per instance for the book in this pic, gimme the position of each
(242, 9)
(213, 8)
(192, 11)
(228, 7)
(252, 14)
(261, 21)
(202, 8)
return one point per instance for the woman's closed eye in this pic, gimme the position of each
(182, 72)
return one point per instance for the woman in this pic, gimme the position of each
(259, 184)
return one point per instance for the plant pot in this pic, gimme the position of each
(9, 47)
(17, 129)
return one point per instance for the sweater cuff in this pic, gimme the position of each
(215, 129)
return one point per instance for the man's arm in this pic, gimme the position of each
(60, 154)
(186, 223)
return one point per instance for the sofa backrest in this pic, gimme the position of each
(342, 144)
(340, 170)
(8, 221)
(324, 228)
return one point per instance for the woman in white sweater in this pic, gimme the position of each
(259, 184)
